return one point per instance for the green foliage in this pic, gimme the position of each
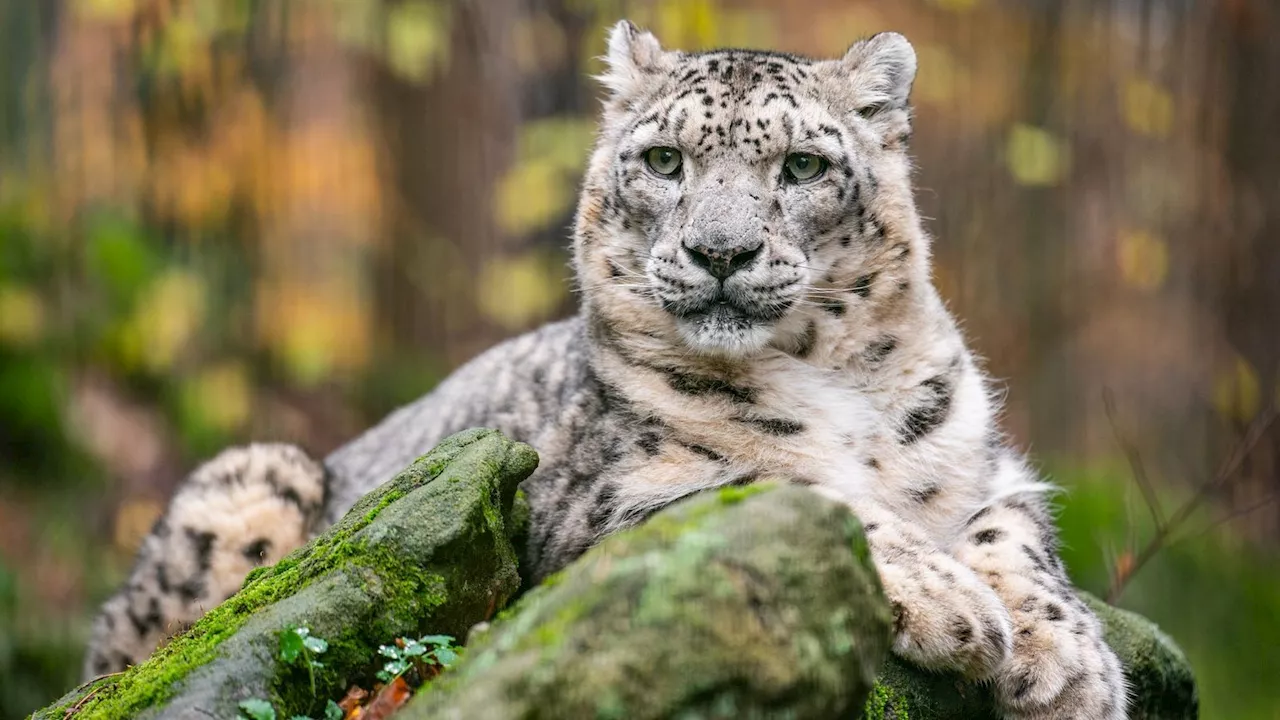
(119, 259)
(298, 646)
(30, 408)
(424, 653)
(257, 709)
(885, 702)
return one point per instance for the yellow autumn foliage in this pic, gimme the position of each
(1035, 156)
(518, 292)
(312, 326)
(1237, 392)
(540, 188)
(22, 316)
(221, 397)
(417, 33)
(1143, 259)
(1147, 107)
(165, 322)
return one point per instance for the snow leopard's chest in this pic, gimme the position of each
(787, 418)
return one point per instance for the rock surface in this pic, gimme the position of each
(743, 602)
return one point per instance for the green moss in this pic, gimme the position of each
(383, 501)
(518, 521)
(858, 541)
(664, 527)
(411, 591)
(732, 494)
(64, 704)
(886, 703)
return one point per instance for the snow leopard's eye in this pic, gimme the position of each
(663, 160)
(802, 167)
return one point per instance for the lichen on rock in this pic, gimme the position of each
(746, 602)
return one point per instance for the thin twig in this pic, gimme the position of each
(1229, 517)
(80, 703)
(1135, 460)
(93, 680)
(1257, 429)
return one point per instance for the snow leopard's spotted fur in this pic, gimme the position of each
(827, 358)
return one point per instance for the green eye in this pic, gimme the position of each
(663, 160)
(803, 166)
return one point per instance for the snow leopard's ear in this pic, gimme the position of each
(882, 69)
(633, 56)
(877, 74)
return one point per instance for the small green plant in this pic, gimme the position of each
(428, 654)
(259, 709)
(298, 644)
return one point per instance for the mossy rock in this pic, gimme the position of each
(1161, 684)
(744, 602)
(429, 550)
(651, 624)
(741, 603)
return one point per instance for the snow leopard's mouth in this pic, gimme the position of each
(721, 308)
(724, 326)
(723, 312)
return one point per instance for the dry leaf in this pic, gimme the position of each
(389, 699)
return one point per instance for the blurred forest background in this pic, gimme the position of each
(234, 219)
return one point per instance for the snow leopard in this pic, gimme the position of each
(755, 300)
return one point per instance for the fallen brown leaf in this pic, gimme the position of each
(389, 699)
(353, 702)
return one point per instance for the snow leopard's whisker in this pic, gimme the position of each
(615, 284)
(624, 249)
(829, 294)
(810, 304)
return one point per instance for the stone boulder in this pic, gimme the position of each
(753, 602)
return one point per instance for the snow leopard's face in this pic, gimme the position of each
(744, 191)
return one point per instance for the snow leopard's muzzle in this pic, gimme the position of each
(725, 280)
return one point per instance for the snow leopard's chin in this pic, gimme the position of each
(725, 329)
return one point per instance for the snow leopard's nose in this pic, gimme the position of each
(723, 259)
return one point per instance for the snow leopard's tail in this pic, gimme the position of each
(248, 506)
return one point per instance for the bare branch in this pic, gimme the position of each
(1228, 518)
(1257, 429)
(1135, 461)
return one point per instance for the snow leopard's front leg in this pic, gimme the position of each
(945, 618)
(248, 506)
(1060, 668)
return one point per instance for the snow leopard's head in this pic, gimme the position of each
(734, 197)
